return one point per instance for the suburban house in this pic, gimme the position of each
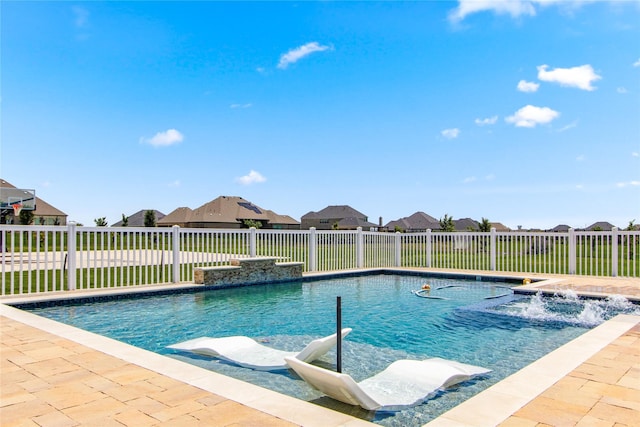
(227, 212)
(179, 217)
(416, 223)
(340, 217)
(420, 222)
(137, 219)
(561, 228)
(44, 213)
(499, 226)
(466, 224)
(600, 226)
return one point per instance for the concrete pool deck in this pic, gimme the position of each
(57, 375)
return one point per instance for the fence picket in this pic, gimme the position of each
(52, 258)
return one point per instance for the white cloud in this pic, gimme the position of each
(490, 177)
(580, 158)
(252, 178)
(637, 63)
(487, 121)
(81, 16)
(175, 184)
(249, 105)
(524, 86)
(163, 139)
(580, 77)
(569, 126)
(294, 55)
(451, 133)
(628, 184)
(469, 180)
(635, 154)
(514, 8)
(529, 116)
(622, 90)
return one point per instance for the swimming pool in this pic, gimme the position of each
(389, 323)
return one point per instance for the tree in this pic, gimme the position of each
(125, 220)
(446, 223)
(149, 218)
(252, 223)
(631, 226)
(101, 222)
(485, 225)
(26, 217)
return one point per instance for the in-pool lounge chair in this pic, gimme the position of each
(402, 384)
(248, 353)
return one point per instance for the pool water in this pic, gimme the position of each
(476, 322)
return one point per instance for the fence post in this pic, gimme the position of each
(572, 251)
(493, 246)
(614, 252)
(175, 248)
(313, 245)
(252, 242)
(398, 249)
(360, 249)
(71, 256)
(429, 237)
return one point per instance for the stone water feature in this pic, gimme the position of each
(249, 271)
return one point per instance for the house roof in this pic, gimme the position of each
(561, 228)
(180, 215)
(275, 218)
(227, 209)
(600, 225)
(499, 226)
(464, 224)
(353, 222)
(417, 221)
(335, 211)
(42, 208)
(137, 219)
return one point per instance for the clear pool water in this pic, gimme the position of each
(476, 322)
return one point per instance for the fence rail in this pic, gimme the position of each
(36, 259)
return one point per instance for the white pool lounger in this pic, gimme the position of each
(248, 353)
(403, 384)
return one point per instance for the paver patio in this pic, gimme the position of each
(49, 380)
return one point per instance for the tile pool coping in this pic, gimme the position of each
(489, 407)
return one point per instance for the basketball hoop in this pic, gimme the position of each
(17, 208)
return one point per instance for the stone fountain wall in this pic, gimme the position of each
(249, 271)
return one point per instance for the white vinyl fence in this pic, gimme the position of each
(38, 259)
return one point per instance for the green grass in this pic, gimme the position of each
(593, 257)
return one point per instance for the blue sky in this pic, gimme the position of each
(522, 112)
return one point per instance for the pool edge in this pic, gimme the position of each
(500, 401)
(270, 402)
(280, 405)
